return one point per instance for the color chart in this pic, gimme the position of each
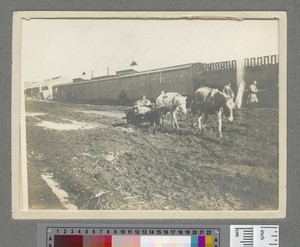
(132, 237)
(94, 235)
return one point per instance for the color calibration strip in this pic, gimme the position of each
(91, 238)
(132, 241)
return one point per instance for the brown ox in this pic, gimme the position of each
(210, 101)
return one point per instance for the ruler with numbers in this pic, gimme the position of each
(254, 236)
(93, 235)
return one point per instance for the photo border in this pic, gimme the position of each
(18, 131)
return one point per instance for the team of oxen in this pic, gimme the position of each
(207, 101)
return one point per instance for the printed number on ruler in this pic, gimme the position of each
(119, 237)
(254, 236)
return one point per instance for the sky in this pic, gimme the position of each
(61, 47)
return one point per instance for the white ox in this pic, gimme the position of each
(171, 102)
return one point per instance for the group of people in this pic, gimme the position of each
(143, 102)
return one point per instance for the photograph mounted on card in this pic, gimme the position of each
(149, 115)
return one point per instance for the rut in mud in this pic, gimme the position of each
(104, 164)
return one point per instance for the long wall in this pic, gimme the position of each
(176, 79)
(184, 79)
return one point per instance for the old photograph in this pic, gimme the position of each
(181, 114)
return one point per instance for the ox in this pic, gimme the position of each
(210, 101)
(136, 115)
(171, 102)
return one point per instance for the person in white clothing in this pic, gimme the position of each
(252, 97)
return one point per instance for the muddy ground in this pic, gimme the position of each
(104, 164)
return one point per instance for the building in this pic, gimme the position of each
(44, 89)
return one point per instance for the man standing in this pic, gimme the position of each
(252, 97)
(122, 97)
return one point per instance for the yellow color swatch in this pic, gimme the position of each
(208, 241)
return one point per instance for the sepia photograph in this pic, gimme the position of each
(149, 115)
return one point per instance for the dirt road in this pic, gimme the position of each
(104, 164)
